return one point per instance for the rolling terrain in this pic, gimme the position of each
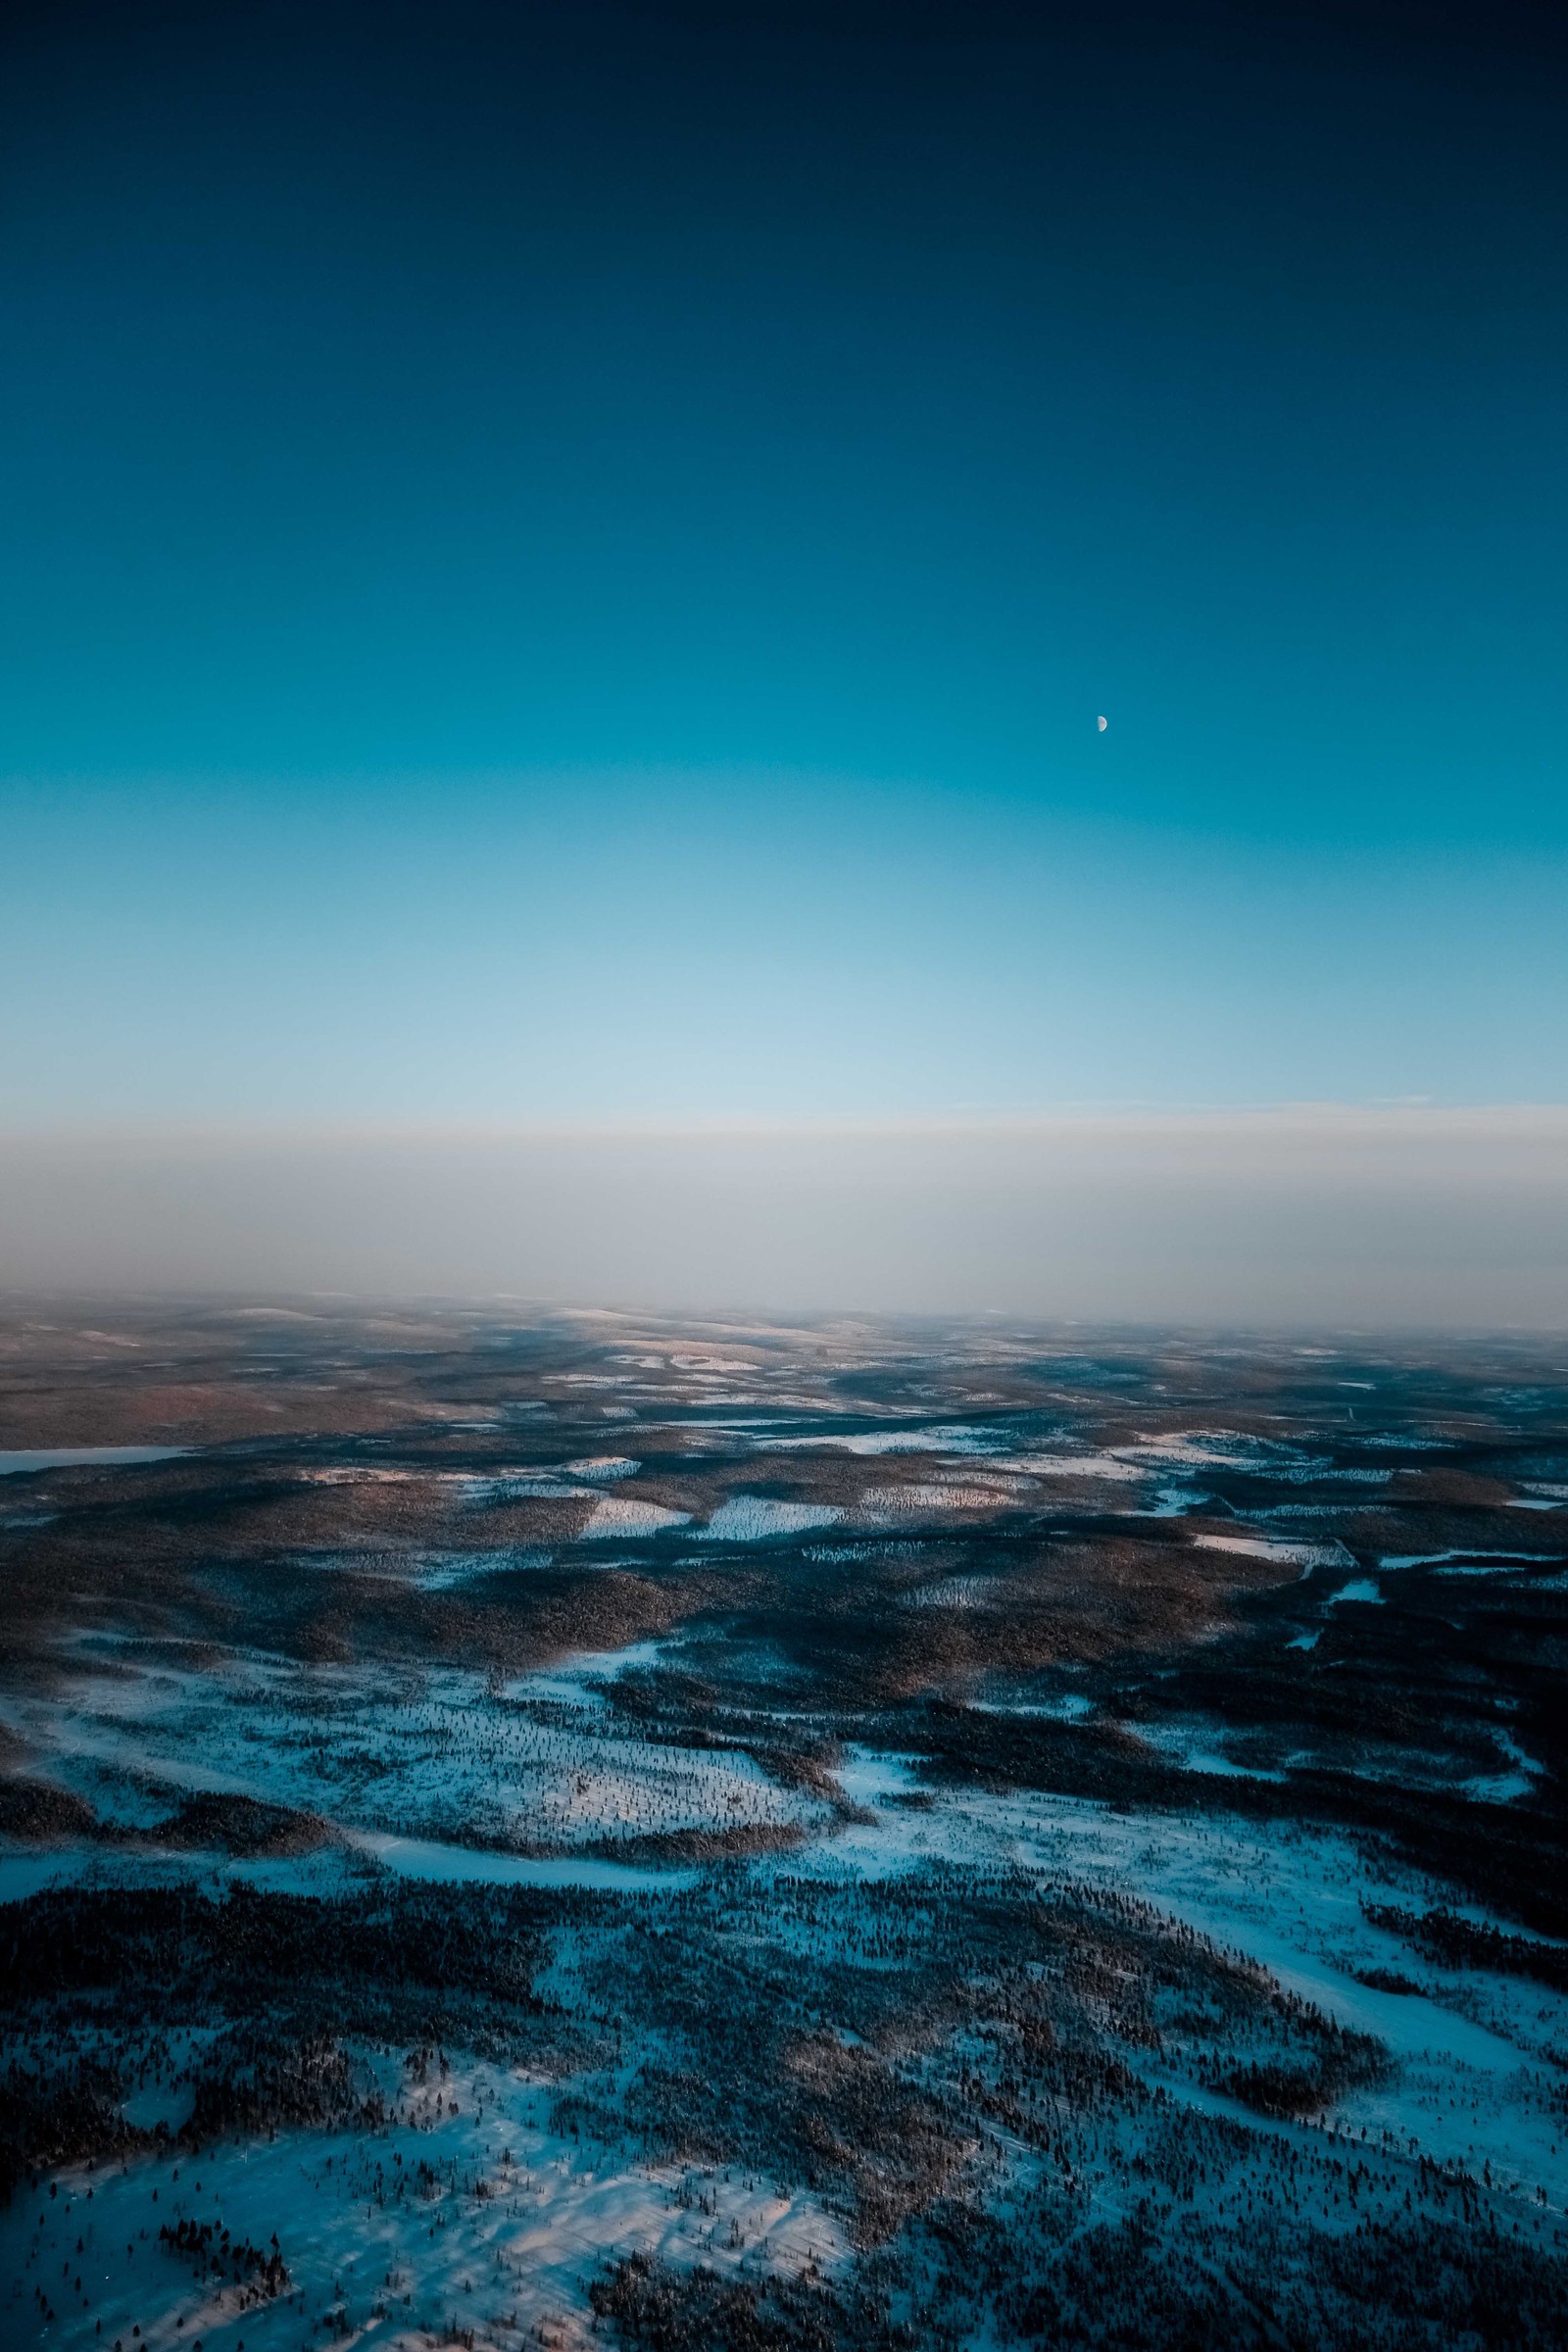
(519, 1828)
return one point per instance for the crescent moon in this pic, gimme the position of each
(1100, 724)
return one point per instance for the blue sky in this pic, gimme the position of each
(754, 946)
(564, 564)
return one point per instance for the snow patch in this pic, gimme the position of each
(1289, 1555)
(613, 1516)
(755, 1518)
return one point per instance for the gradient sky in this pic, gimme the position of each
(564, 563)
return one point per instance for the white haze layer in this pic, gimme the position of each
(1367, 1218)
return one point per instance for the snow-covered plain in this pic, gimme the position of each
(465, 2211)
(396, 1762)
(805, 1757)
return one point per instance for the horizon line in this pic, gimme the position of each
(1397, 1113)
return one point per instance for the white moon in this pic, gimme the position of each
(1100, 724)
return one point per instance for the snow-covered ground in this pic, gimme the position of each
(436, 1758)
(611, 1780)
(467, 2211)
(396, 2251)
